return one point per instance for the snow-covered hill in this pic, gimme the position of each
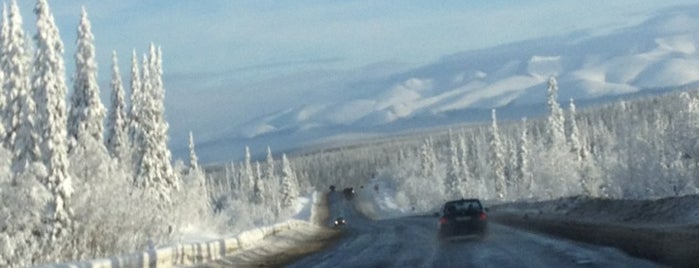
(660, 53)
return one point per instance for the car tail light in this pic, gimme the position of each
(443, 220)
(482, 216)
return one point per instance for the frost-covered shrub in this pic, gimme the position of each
(193, 209)
(111, 215)
(23, 203)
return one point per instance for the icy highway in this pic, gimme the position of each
(411, 242)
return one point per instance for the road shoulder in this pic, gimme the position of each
(671, 244)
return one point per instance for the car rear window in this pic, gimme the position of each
(462, 206)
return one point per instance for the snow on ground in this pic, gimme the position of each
(278, 249)
(303, 208)
(197, 243)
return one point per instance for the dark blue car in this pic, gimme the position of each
(464, 217)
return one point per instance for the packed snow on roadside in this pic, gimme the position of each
(302, 210)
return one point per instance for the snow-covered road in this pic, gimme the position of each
(411, 242)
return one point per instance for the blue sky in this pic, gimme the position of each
(227, 57)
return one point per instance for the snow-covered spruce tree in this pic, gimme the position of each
(511, 180)
(497, 159)
(523, 171)
(194, 204)
(475, 161)
(289, 190)
(467, 185)
(232, 173)
(154, 171)
(23, 196)
(199, 177)
(140, 114)
(134, 113)
(258, 186)
(574, 137)
(118, 143)
(87, 113)
(248, 178)
(49, 87)
(556, 128)
(428, 161)
(22, 134)
(159, 90)
(269, 166)
(452, 183)
(193, 159)
(271, 183)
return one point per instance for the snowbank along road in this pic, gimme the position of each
(411, 242)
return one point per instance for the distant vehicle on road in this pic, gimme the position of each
(340, 221)
(349, 193)
(462, 218)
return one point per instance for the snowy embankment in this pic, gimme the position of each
(310, 214)
(664, 230)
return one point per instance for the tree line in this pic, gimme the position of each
(640, 148)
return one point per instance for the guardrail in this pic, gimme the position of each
(202, 252)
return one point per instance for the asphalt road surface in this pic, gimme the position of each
(412, 242)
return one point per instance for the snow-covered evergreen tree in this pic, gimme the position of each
(270, 182)
(523, 171)
(193, 159)
(142, 115)
(117, 126)
(154, 170)
(467, 187)
(452, 183)
(248, 177)
(194, 169)
(22, 133)
(428, 159)
(87, 112)
(289, 190)
(161, 132)
(269, 166)
(574, 138)
(258, 185)
(136, 102)
(497, 158)
(556, 121)
(49, 87)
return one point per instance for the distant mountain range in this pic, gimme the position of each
(660, 53)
